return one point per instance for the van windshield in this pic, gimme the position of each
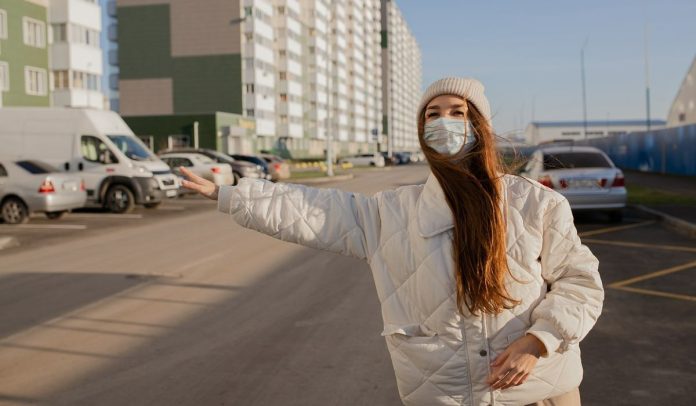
(132, 147)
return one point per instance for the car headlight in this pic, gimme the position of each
(142, 170)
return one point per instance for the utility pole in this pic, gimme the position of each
(584, 97)
(647, 80)
(329, 136)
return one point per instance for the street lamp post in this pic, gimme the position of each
(329, 135)
(584, 97)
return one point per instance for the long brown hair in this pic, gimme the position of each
(471, 183)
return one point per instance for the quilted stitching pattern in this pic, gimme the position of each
(413, 272)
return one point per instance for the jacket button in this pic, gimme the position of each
(483, 353)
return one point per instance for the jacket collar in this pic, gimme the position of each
(433, 213)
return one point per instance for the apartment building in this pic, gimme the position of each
(289, 72)
(402, 79)
(24, 68)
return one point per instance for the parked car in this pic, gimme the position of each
(586, 176)
(387, 160)
(375, 159)
(278, 168)
(201, 165)
(240, 169)
(256, 160)
(97, 146)
(28, 186)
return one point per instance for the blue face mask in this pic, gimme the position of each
(448, 136)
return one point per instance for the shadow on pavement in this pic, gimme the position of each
(30, 299)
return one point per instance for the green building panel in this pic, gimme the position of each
(208, 83)
(144, 42)
(18, 55)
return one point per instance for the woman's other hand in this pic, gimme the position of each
(513, 366)
(203, 186)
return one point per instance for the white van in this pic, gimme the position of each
(119, 171)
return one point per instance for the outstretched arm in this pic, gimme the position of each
(328, 219)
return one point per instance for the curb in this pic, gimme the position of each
(314, 181)
(677, 224)
(8, 242)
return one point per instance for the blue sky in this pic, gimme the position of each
(525, 51)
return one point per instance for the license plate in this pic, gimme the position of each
(583, 183)
(171, 193)
(70, 186)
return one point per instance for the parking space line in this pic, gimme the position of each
(43, 227)
(615, 228)
(657, 293)
(640, 245)
(105, 215)
(652, 275)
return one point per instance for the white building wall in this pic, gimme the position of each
(545, 132)
(76, 66)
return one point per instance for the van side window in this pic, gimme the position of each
(3, 171)
(94, 150)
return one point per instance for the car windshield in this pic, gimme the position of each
(132, 147)
(36, 167)
(570, 160)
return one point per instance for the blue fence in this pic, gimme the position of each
(670, 150)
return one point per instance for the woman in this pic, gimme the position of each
(485, 288)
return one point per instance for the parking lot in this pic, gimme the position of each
(180, 305)
(85, 223)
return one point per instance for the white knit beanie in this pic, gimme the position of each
(468, 88)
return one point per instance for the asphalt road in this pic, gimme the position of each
(182, 306)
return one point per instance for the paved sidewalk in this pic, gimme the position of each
(684, 186)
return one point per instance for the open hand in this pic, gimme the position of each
(513, 366)
(202, 186)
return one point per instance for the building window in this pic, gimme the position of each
(250, 88)
(61, 79)
(682, 117)
(4, 76)
(35, 81)
(34, 33)
(83, 35)
(250, 112)
(3, 24)
(248, 11)
(59, 32)
(283, 75)
(571, 133)
(283, 97)
(84, 80)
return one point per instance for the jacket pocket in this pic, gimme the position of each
(411, 330)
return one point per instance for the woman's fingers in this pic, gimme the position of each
(192, 176)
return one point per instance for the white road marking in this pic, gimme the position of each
(104, 215)
(43, 227)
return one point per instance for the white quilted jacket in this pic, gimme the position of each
(441, 357)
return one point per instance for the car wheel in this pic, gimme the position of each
(119, 199)
(152, 205)
(56, 215)
(14, 211)
(616, 216)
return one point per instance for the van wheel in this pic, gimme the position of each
(152, 205)
(119, 199)
(14, 211)
(55, 215)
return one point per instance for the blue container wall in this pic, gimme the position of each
(670, 150)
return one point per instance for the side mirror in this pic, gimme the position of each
(66, 166)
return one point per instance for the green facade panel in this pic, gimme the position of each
(144, 50)
(161, 127)
(18, 55)
(207, 84)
